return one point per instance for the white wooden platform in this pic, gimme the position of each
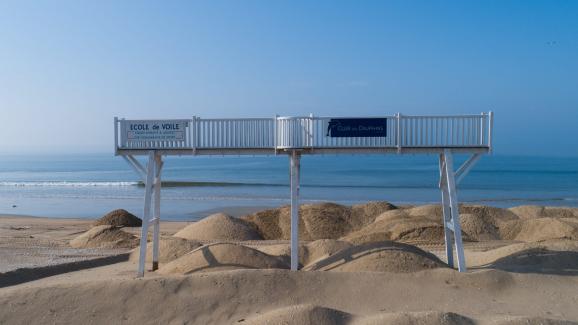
(295, 136)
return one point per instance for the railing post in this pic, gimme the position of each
(482, 127)
(115, 136)
(398, 137)
(310, 133)
(491, 129)
(275, 119)
(192, 134)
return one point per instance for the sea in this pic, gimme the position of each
(90, 185)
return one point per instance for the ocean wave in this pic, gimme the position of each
(67, 184)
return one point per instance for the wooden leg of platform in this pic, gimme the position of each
(157, 210)
(446, 218)
(294, 167)
(147, 213)
(454, 212)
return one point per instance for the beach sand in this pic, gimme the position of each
(512, 279)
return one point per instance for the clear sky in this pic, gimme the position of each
(68, 67)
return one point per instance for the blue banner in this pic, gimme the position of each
(357, 127)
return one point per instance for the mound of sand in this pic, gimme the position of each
(530, 230)
(119, 218)
(421, 318)
(399, 228)
(309, 252)
(491, 215)
(301, 314)
(366, 213)
(378, 257)
(520, 320)
(222, 256)
(170, 248)
(316, 221)
(105, 236)
(422, 224)
(478, 228)
(219, 226)
(536, 211)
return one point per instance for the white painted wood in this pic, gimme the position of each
(466, 167)
(294, 173)
(455, 214)
(115, 135)
(491, 130)
(301, 132)
(136, 166)
(157, 210)
(448, 233)
(147, 213)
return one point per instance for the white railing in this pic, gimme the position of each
(460, 131)
(444, 131)
(247, 133)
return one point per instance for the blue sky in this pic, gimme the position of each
(68, 67)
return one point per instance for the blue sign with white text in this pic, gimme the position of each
(357, 127)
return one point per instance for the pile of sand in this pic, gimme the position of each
(222, 256)
(316, 221)
(111, 295)
(105, 236)
(530, 230)
(301, 314)
(378, 257)
(478, 228)
(520, 320)
(421, 318)
(219, 226)
(119, 218)
(170, 248)
(423, 224)
(404, 225)
(366, 213)
(308, 252)
(536, 211)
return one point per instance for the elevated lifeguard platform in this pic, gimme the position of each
(295, 136)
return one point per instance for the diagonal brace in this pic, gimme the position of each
(466, 167)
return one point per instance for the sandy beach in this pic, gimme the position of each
(367, 264)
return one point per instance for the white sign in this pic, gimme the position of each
(167, 130)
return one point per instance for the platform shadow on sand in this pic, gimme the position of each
(537, 260)
(213, 262)
(23, 275)
(357, 252)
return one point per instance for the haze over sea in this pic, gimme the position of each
(90, 185)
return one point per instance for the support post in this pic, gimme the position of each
(147, 213)
(454, 224)
(157, 210)
(294, 173)
(447, 218)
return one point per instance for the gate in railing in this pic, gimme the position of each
(442, 135)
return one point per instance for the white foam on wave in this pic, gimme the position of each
(67, 184)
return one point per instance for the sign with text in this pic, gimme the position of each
(356, 127)
(161, 130)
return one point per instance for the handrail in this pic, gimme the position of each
(310, 132)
